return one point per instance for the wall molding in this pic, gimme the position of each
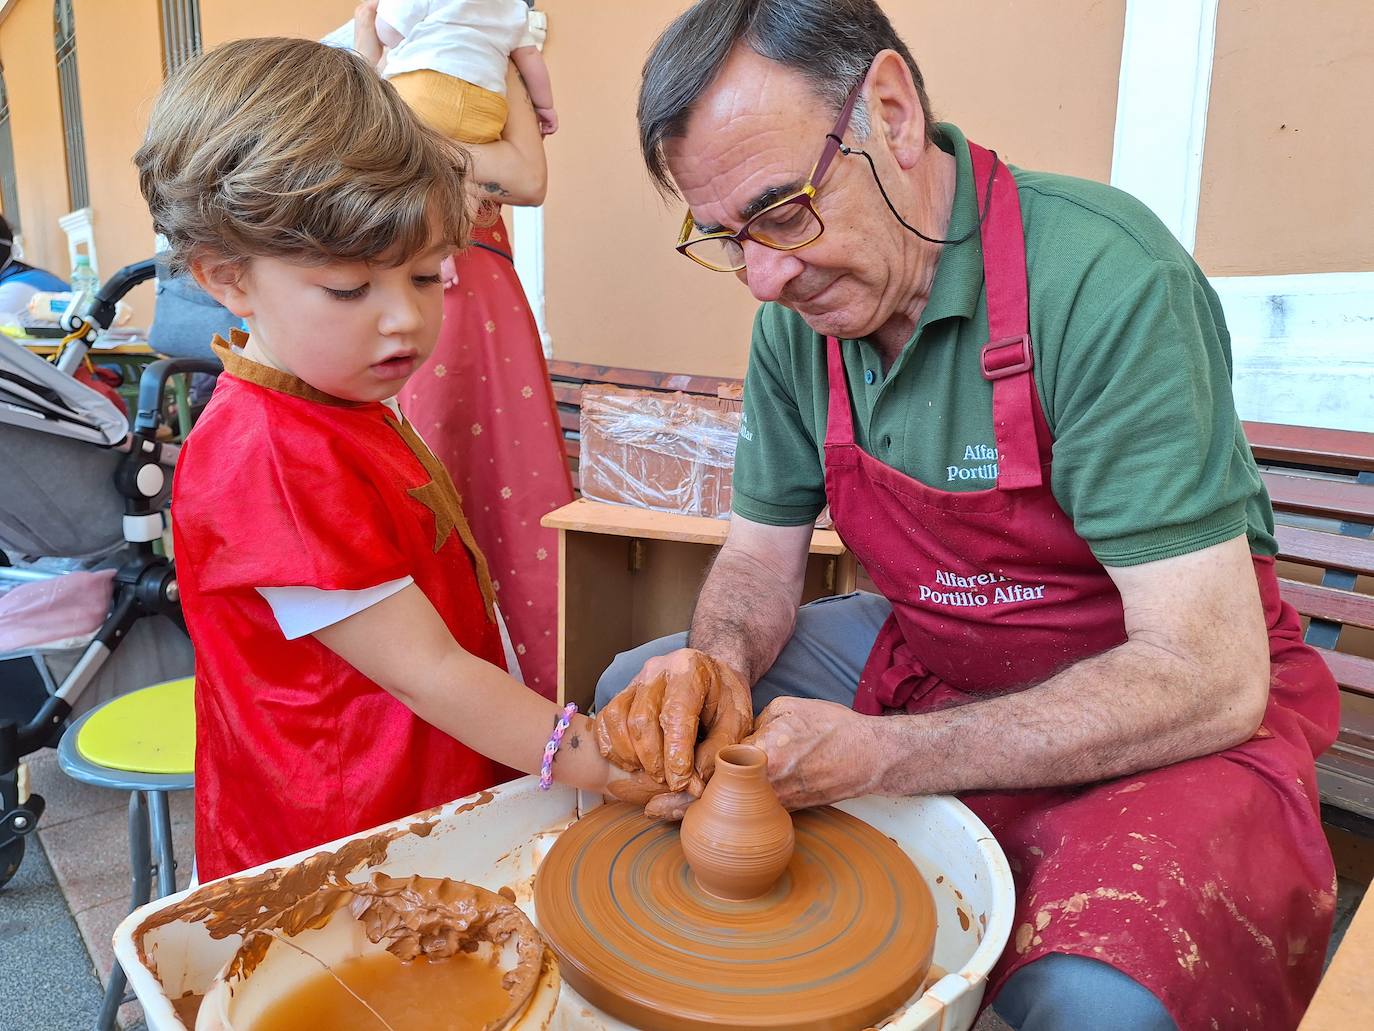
(1299, 343)
(527, 239)
(1161, 107)
(1300, 347)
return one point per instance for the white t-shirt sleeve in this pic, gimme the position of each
(301, 611)
(403, 15)
(512, 660)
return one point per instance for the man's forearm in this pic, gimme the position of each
(1133, 708)
(744, 614)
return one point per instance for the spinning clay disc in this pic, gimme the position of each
(843, 939)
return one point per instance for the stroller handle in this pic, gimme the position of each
(103, 307)
(154, 380)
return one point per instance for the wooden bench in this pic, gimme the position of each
(1321, 483)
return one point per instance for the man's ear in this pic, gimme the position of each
(895, 108)
(223, 279)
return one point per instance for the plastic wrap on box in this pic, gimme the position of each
(668, 452)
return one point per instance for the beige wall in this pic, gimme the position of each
(26, 50)
(1286, 177)
(118, 85)
(119, 82)
(617, 293)
(222, 20)
(1037, 82)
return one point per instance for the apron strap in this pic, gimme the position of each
(839, 426)
(1007, 358)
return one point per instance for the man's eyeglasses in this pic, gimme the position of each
(788, 224)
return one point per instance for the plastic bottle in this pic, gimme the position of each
(84, 277)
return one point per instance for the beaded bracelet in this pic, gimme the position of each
(551, 749)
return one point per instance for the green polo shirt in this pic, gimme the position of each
(1132, 364)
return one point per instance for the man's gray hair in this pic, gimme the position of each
(830, 42)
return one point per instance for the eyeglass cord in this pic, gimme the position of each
(987, 199)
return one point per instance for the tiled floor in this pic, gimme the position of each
(74, 890)
(85, 836)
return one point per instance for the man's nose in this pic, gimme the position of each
(766, 271)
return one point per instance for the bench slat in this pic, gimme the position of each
(572, 448)
(1346, 778)
(569, 419)
(1308, 445)
(1354, 673)
(1331, 603)
(1327, 550)
(567, 394)
(1336, 499)
(642, 378)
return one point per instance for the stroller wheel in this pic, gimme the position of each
(11, 855)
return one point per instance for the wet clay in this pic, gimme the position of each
(289, 900)
(842, 939)
(461, 993)
(433, 917)
(738, 838)
(187, 1007)
(437, 917)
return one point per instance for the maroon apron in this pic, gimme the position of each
(1208, 881)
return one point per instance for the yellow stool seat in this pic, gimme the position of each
(151, 730)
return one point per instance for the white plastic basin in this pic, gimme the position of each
(498, 838)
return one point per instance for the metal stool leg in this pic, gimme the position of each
(160, 813)
(140, 865)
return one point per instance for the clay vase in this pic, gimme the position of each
(737, 837)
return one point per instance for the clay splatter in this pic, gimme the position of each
(1024, 933)
(477, 803)
(1213, 893)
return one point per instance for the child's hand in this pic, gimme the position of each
(548, 120)
(448, 271)
(365, 38)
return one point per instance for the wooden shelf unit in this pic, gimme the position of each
(627, 576)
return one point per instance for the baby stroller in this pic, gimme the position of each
(82, 488)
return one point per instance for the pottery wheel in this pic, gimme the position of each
(842, 940)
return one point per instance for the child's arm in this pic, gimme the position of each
(536, 75)
(513, 169)
(403, 645)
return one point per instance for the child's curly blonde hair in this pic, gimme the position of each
(288, 148)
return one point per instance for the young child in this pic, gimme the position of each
(447, 59)
(349, 666)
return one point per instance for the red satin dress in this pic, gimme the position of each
(484, 403)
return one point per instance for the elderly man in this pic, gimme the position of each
(1012, 388)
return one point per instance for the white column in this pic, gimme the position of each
(1161, 107)
(527, 231)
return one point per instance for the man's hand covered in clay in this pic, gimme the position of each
(651, 728)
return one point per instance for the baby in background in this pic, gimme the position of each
(447, 59)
